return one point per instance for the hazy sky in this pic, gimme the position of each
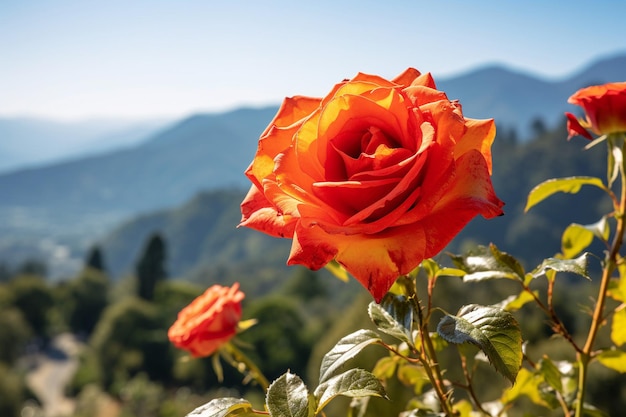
(143, 58)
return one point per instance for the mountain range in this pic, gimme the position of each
(76, 202)
(516, 99)
(32, 142)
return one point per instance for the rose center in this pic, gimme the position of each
(364, 166)
(358, 153)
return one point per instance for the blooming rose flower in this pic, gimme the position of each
(377, 175)
(209, 321)
(605, 110)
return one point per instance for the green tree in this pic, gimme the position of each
(32, 296)
(32, 267)
(538, 127)
(5, 272)
(305, 285)
(87, 297)
(12, 392)
(279, 338)
(130, 338)
(14, 334)
(150, 268)
(95, 259)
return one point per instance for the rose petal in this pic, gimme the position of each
(407, 76)
(478, 136)
(389, 254)
(260, 214)
(575, 128)
(471, 194)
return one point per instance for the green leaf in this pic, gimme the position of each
(385, 367)
(528, 385)
(421, 412)
(516, 301)
(346, 349)
(562, 185)
(613, 359)
(288, 397)
(494, 331)
(450, 272)
(488, 263)
(575, 239)
(617, 287)
(352, 383)
(337, 270)
(223, 407)
(431, 267)
(578, 237)
(618, 327)
(578, 266)
(550, 373)
(414, 376)
(600, 229)
(394, 316)
(508, 261)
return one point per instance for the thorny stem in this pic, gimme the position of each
(470, 388)
(557, 324)
(610, 264)
(428, 355)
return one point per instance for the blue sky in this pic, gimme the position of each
(142, 59)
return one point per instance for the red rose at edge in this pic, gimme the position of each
(209, 322)
(605, 110)
(377, 175)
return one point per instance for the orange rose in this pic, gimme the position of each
(209, 321)
(378, 175)
(605, 110)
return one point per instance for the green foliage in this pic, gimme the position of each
(352, 383)
(287, 396)
(396, 320)
(495, 331)
(89, 372)
(347, 348)
(131, 338)
(140, 397)
(570, 185)
(305, 284)
(613, 359)
(222, 407)
(87, 296)
(95, 259)
(32, 296)
(14, 334)
(150, 268)
(279, 338)
(576, 266)
(12, 393)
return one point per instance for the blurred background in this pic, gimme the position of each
(125, 128)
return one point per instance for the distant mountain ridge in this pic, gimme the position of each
(202, 151)
(516, 99)
(32, 142)
(82, 199)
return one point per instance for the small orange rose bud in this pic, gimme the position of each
(209, 322)
(605, 110)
